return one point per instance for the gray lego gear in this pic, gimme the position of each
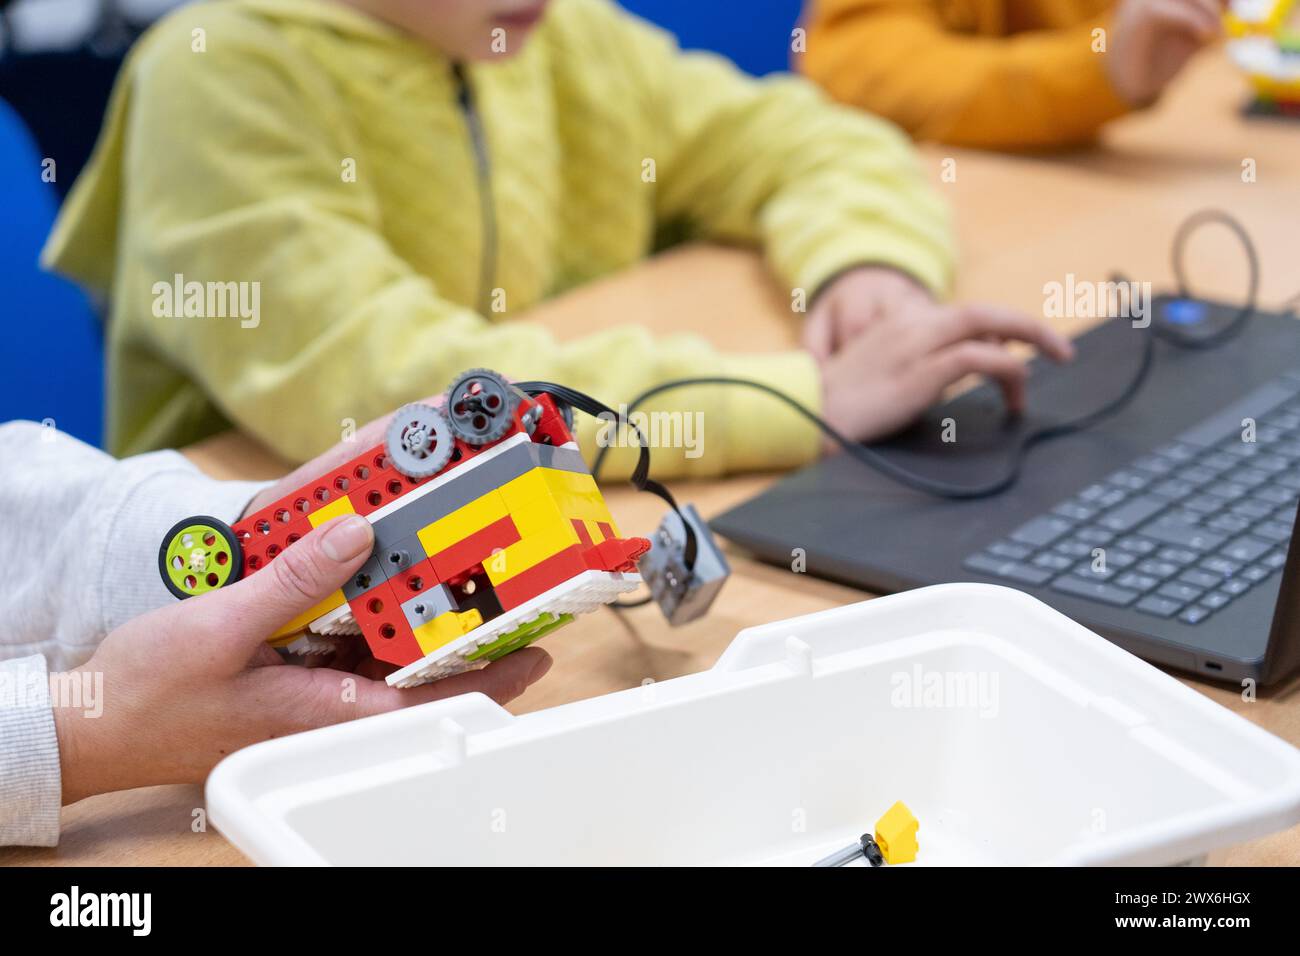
(481, 406)
(419, 441)
(682, 594)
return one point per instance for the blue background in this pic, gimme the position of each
(52, 346)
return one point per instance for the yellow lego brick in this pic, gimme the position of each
(299, 623)
(527, 487)
(462, 523)
(537, 515)
(337, 507)
(576, 495)
(445, 628)
(896, 834)
(533, 549)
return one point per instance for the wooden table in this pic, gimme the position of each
(1023, 221)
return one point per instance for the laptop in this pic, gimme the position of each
(1168, 528)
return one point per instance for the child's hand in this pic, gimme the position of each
(900, 364)
(852, 302)
(1151, 40)
(190, 683)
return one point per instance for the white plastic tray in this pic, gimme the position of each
(1015, 735)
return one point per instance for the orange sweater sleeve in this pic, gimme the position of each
(897, 59)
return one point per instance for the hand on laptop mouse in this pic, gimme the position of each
(902, 360)
(851, 302)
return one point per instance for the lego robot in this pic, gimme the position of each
(1266, 45)
(489, 533)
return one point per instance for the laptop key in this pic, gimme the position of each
(1159, 606)
(1137, 582)
(1274, 531)
(1252, 509)
(1174, 488)
(1183, 535)
(1197, 475)
(1215, 600)
(1011, 570)
(1203, 504)
(1156, 464)
(1180, 591)
(1270, 463)
(1136, 545)
(1075, 511)
(1231, 490)
(1133, 512)
(1276, 494)
(1101, 591)
(1095, 536)
(1273, 560)
(1194, 615)
(1053, 562)
(1119, 559)
(1090, 571)
(1177, 555)
(1158, 569)
(1221, 566)
(1200, 579)
(1073, 548)
(1177, 451)
(1041, 530)
(1235, 586)
(1093, 493)
(1129, 480)
(1229, 524)
(1252, 478)
(1010, 550)
(1256, 573)
(1246, 548)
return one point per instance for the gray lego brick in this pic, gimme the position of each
(369, 574)
(428, 604)
(400, 555)
(561, 459)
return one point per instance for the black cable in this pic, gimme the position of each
(874, 459)
(1238, 323)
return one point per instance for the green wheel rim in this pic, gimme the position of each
(199, 555)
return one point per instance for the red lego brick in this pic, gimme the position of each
(616, 554)
(551, 429)
(375, 494)
(379, 613)
(267, 537)
(418, 577)
(584, 537)
(541, 577)
(475, 549)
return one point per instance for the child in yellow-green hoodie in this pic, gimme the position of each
(370, 189)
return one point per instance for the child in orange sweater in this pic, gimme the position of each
(1003, 74)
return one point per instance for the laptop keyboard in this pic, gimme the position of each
(1183, 531)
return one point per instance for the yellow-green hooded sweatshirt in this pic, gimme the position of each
(383, 205)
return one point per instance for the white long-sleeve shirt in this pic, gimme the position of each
(79, 539)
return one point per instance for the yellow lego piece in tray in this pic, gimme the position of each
(896, 834)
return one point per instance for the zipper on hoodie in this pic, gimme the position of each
(483, 170)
